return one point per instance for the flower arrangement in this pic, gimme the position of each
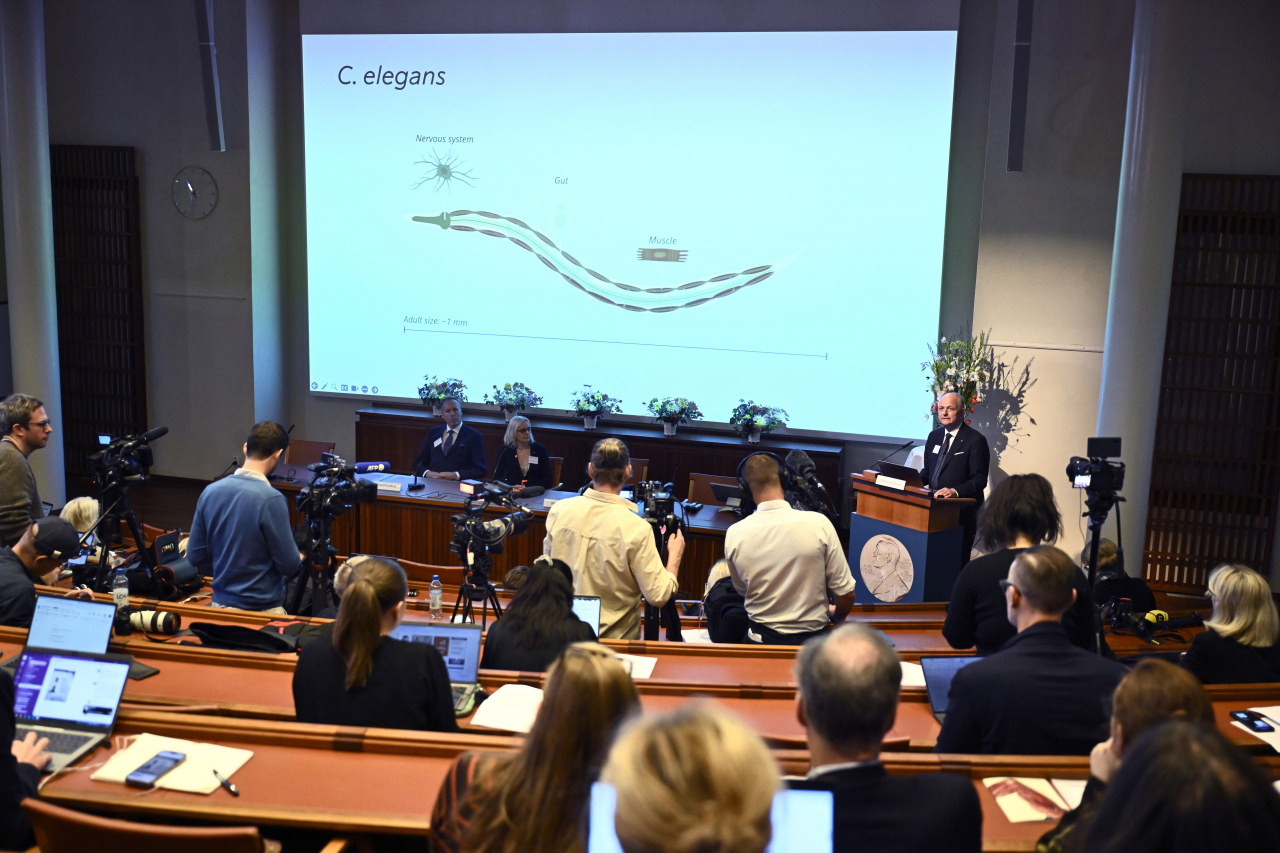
(589, 402)
(433, 390)
(748, 416)
(674, 410)
(513, 395)
(962, 366)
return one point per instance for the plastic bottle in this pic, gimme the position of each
(437, 594)
(120, 589)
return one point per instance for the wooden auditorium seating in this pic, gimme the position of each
(557, 464)
(639, 470)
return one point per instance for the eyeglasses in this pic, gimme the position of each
(524, 430)
(36, 424)
(1006, 585)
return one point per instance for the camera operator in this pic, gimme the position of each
(25, 427)
(241, 531)
(452, 451)
(783, 560)
(35, 558)
(610, 547)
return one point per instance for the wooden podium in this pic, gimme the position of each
(904, 543)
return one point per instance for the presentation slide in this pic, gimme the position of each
(712, 216)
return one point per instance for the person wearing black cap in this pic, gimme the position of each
(38, 556)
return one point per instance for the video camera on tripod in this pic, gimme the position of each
(1101, 478)
(332, 491)
(474, 540)
(118, 465)
(657, 503)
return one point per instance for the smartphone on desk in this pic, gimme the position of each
(1252, 720)
(149, 773)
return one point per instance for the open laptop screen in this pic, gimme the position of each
(459, 645)
(587, 608)
(52, 689)
(71, 625)
(938, 673)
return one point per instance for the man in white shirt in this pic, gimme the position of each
(783, 561)
(610, 548)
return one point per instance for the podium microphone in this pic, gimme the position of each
(899, 450)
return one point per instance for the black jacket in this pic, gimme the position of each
(17, 592)
(879, 813)
(466, 456)
(17, 781)
(1215, 659)
(1039, 695)
(977, 614)
(508, 649)
(964, 469)
(507, 466)
(408, 689)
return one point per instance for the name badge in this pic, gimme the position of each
(936, 447)
(440, 441)
(533, 460)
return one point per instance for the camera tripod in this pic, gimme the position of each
(470, 592)
(110, 519)
(318, 569)
(669, 613)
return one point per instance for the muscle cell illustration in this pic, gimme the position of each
(629, 297)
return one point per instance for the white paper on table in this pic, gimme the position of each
(194, 775)
(1072, 790)
(640, 666)
(912, 674)
(1272, 739)
(701, 635)
(511, 708)
(1016, 808)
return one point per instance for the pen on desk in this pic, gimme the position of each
(226, 783)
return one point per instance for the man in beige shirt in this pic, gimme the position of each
(610, 547)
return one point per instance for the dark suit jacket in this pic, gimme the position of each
(507, 467)
(879, 813)
(966, 466)
(1215, 659)
(17, 781)
(1038, 695)
(466, 456)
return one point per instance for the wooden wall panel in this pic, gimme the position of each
(1216, 466)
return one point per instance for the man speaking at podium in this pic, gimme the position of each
(956, 462)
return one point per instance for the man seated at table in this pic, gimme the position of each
(609, 547)
(1039, 694)
(783, 560)
(37, 557)
(847, 699)
(241, 531)
(452, 451)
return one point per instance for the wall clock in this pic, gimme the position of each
(195, 194)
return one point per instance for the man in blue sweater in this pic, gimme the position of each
(241, 530)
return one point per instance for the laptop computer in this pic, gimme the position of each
(906, 473)
(69, 698)
(459, 645)
(938, 673)
(587, 608)
(67, 625)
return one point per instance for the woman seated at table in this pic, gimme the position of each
(534, 801)
(538, 625)
(360, 676)
(1238, 645)
(522, 459)
(1020, 513)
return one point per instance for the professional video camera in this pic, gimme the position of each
(657, 505)
(124, 460)
(118, 465)
(1101, 478)
(474, 540)
(332, 491)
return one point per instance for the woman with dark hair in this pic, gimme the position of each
(360, 676)
(538, 625)
(1020, 513)
(533, 801)
(1184, 788)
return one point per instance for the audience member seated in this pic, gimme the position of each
(38, 557)
(693, 781)
(1183, 788)
(1020, 513)
(847, 700)
(1153, 692)
(19, 773)
(515, 578)
(1113, 582)
(535, 800)
(521, 459)
(1238, 645)
(341, 580)
(1038, 695)
(537, 626)
(723, 607)
(360, 676)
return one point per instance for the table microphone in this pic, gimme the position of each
(415, 486)
(372, 467)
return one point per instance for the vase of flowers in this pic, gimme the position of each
(751, 420)
(673, 411)
(962, 366)
(591, 404)
(513, 397)
(433, 392)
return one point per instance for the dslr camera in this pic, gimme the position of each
(333, 489)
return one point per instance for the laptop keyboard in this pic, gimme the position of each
(60, 742)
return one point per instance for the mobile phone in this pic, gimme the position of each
(1253, 720)
(156, 766)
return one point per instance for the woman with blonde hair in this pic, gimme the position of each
(1238, 645)
(521, 459)
(361, 676)
(694, 781)
(533, 801)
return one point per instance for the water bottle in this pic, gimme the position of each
(120, 589)
(437, 594)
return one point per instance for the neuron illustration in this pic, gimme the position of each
(657, 300)
(444, 171)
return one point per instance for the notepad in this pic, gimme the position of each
(194, 776)
(912, 674)
(640, 666)
(511, 708)
(1026, 799)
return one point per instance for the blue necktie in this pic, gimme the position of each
(937, 466)
(448, 443)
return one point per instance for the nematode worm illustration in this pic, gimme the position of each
(619, 294)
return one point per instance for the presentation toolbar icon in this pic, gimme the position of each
(315, 385)
(364, 389)
(344, 387)
(375, 389)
